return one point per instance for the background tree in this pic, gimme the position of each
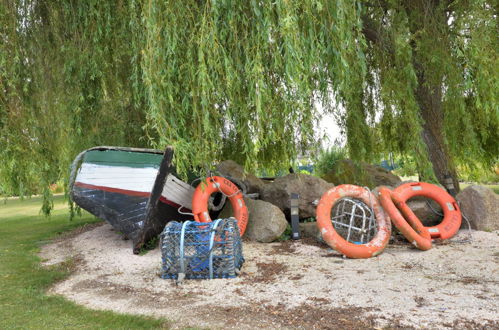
(433, 64)
(240, 79)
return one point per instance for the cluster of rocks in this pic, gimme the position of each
(231, 169)
(360, 174)
(270, 214)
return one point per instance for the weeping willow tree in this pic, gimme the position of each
(242, 80)
(433, 68)
(70, 78)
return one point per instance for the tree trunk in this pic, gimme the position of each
(429, 95)
(429, 99)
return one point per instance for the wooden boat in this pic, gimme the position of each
(135, 190)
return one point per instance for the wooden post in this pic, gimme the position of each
(295, 219)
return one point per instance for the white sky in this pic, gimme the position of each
(330, 130)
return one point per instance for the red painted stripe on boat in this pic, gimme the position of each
(130, 193)
(116, 190)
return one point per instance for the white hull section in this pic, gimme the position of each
(134, 179)
(118, 177)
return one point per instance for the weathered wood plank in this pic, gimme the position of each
(153, 222)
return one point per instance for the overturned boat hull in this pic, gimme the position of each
(134, 190)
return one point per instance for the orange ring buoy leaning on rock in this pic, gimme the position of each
(412, 229)
(219, 184)
(452, 215)
(334, 240)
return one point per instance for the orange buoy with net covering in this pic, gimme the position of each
(350, 195)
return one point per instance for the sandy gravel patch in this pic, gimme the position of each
(294, 284)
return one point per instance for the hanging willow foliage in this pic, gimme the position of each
(65, 84)
(239, 79)
(434, 67)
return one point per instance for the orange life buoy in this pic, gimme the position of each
(412, 229)
(452, 215)
(219, 184)
(334, 240)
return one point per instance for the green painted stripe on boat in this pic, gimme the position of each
(123, 158)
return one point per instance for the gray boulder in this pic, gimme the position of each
(360, 174)
(481, 206)
(266, 222)
(310, 188)
(422, 208)
(232, 169)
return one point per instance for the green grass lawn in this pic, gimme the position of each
(23, 282)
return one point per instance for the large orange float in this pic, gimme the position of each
(452, 215)
(412, 229)
(334, 240)
(219, 184)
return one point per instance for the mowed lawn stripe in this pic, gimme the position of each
(23, 282)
